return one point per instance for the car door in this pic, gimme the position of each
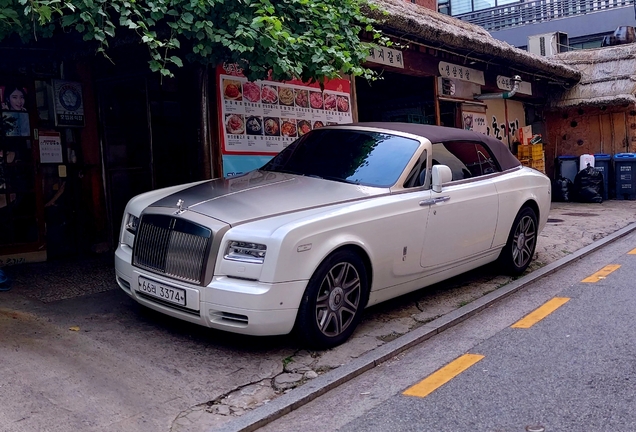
(463, 217)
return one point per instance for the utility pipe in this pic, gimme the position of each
(505, 95)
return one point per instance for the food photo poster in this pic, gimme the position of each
(261, 118)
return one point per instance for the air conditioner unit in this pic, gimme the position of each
(548, 44)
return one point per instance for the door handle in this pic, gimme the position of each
(432, 201)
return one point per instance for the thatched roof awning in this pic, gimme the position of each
(439, 30)
(608, 77)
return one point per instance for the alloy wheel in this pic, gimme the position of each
(524, 241)
(338, 299)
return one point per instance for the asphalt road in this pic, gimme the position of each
(572, 370)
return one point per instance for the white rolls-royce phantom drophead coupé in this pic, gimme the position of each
(343, 218)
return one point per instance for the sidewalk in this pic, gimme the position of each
(64, 278)
(571, 228)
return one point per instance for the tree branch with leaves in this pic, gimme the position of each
(305, 39)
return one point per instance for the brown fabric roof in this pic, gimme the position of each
(608, 77)
(437, 134)
(443, 31)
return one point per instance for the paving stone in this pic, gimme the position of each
(301, 362)
(250, 396)
(342, 354)
(310, 375)
(378, 328)
(287, 381)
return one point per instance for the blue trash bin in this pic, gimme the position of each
(625, 169)
(567, 166)
(602, 162)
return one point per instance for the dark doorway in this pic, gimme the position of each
(126, 144)
(150, 129)
(396, 98)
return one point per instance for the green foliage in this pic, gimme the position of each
(306, 39)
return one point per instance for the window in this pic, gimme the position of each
(345, 155)
(459, 7)
(465, 159)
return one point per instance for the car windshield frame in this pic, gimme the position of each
(365, 157)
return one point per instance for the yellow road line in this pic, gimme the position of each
(602, 273)
(440, 377)
(632, 252)
(538, 314)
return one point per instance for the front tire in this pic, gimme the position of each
(516, 256)
(333, 301)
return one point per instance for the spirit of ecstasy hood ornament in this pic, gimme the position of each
(180, 207)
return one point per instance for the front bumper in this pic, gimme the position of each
(230, 304)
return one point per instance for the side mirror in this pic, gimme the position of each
(441, 174)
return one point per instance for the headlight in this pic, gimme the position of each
(132, 223)
(245, 252)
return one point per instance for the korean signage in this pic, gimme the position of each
(463, 73)
(506, 83)
(386, 56)
(50, 147)
(69, 103)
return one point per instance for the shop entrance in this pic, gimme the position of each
(21, 210)
(126, 145)
(396, 98)
(150, 138)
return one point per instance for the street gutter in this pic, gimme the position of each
(311, 390)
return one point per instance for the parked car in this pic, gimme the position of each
(343, 218)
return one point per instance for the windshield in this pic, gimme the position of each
(352, 156)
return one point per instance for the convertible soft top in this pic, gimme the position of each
(438, 134)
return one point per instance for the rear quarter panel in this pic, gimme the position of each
(515, 188)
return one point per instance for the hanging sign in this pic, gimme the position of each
(506, 83)
(386, 56)
(50, 147)
(450, 70)
(69, 103)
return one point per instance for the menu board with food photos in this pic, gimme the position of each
(263, 117)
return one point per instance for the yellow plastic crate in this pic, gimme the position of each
(534, 151)
(538, 164)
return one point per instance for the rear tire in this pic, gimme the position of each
(334, 299)
(516, 256)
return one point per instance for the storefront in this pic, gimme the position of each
(50, 180)
(432, 87)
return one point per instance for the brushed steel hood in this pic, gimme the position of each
(260, 194)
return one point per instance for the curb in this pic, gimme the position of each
(311, 390)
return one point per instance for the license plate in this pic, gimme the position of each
(161, 291)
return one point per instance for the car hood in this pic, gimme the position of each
(260, 194)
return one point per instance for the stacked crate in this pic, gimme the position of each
(531, 155)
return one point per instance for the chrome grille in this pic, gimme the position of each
(173, 247)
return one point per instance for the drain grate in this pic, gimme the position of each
(550, 220)
(580, 214)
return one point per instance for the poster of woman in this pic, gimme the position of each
(13, 97)
(15, 118)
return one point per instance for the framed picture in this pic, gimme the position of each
(69, 103)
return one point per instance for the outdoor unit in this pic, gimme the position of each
(548, 44)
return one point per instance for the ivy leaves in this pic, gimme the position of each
(306, 39)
